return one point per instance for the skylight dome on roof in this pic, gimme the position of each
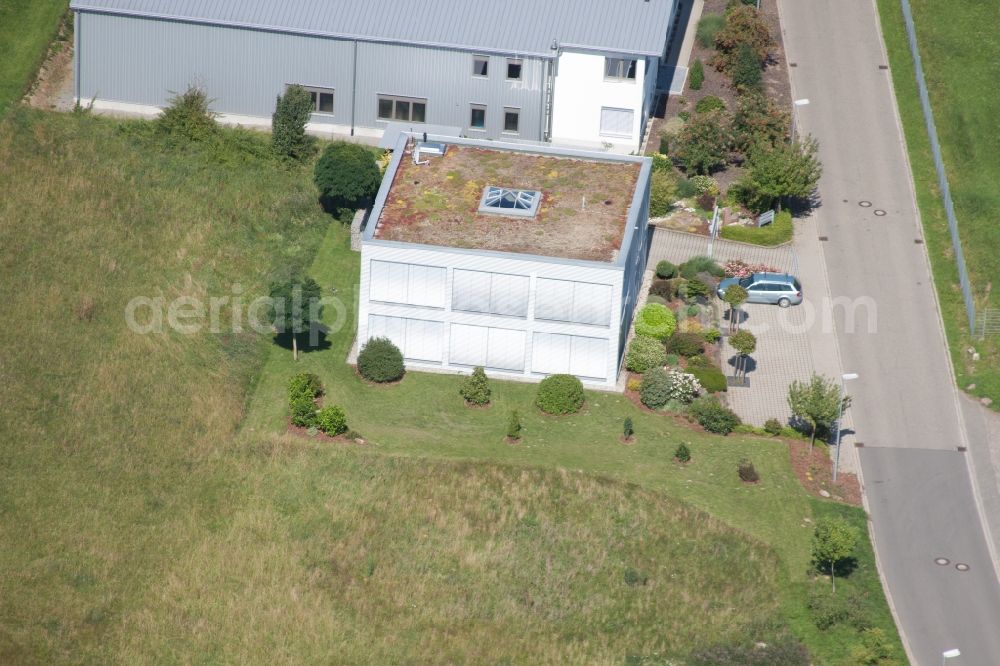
(505, 201)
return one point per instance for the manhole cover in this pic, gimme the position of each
(942, 561)
(879, 212)
(962, 567)
(865, 204)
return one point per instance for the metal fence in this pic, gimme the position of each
(949, 208)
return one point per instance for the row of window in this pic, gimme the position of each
(491, 293)
(493, 348)
(481, 67)
(511, 118)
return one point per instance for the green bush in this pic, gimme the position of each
(655, 321)
(654, 392)
(189, 117)
(708, 27)
(686, 344)
(709, 103)
(829, 609)
(705, 185)
(773, 427)
(664, 150)
(712, 335)
(684, 115)
(672, 359)
(776, 233)
(686, 188)
(628, 429)
(696, 289)
(346, 175)
(713, 416)
(654, 298)
(746, 72)
(381, 361)
(710, 378)
(696, 76)
(644, 354)
(695, 265)
(661, 162)
(683, 453)
(662, 193)
(744, 26)
(703, 144)
(875, 647)
(693, 310)
(514, 425)
(560, 394)
(748, 473)
(305, 383)
(476, 388)
(665, 270)
(666, 289)
(331, 420)
(303, 408)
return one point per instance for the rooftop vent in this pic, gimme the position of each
(504, 201)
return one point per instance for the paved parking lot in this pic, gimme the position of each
(782, 356)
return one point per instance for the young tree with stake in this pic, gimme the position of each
(818, 402)
(744, 342)
(833, 542)
(735, 296)
(295, 307)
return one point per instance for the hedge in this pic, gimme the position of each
(778, 232)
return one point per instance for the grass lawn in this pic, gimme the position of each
(154, 509)
(959, 51)
(26, 29)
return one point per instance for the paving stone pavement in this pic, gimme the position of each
(782, 356)
(678, 246)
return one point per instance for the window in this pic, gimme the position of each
(616, 122)
(490, 293)
(498, 348)
(480, 65)
(417, 339)
(322, 99)
(409, 284)
(619, 69)
(577, 302)
(553, 353)
(402, 108)
(511, 120)
(514, 69)
(478, 117)
(521, 203)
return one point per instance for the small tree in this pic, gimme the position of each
(288, 124)
(758, 123)
(513, 426)
(347, 175)
(683, 453)
(818, 402)
(786, 170)
(834, 540)
(735, 296)
(627, 429)
(746, 72)
(662, 193)
(703, 143)
(295, 307)
(744, 25)
(476, 388)
(189, 116)
(748, 473)
(744, 342)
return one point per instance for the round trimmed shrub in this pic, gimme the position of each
(476, 388)
(773, 427)
(654, 392)
(686, 344)
(381, 361)
(347, 175)
(665, 269)
(655, 321)
(331, 420)
(709, 103)
(713, 416)
(710, 378)
(560, 394)
(645, 354)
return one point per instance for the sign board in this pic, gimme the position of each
(765, 219)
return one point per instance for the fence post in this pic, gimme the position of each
(949, 208)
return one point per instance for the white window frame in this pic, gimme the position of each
(485, 59)
(520, 72)
(517, 112)
(618, 69)
(602, 131)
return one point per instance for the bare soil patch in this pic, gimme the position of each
(53, 84)
(815, 473)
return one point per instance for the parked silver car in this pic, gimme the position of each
(774, 288)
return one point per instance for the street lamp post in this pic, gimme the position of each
(798, 102)
(949, 654)
(840, 415)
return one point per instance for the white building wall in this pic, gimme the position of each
(579, 94)
(434, 334)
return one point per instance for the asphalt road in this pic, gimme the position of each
(905, 410)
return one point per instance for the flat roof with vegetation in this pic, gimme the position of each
(581, 214)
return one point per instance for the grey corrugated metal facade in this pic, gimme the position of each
(526, 27)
